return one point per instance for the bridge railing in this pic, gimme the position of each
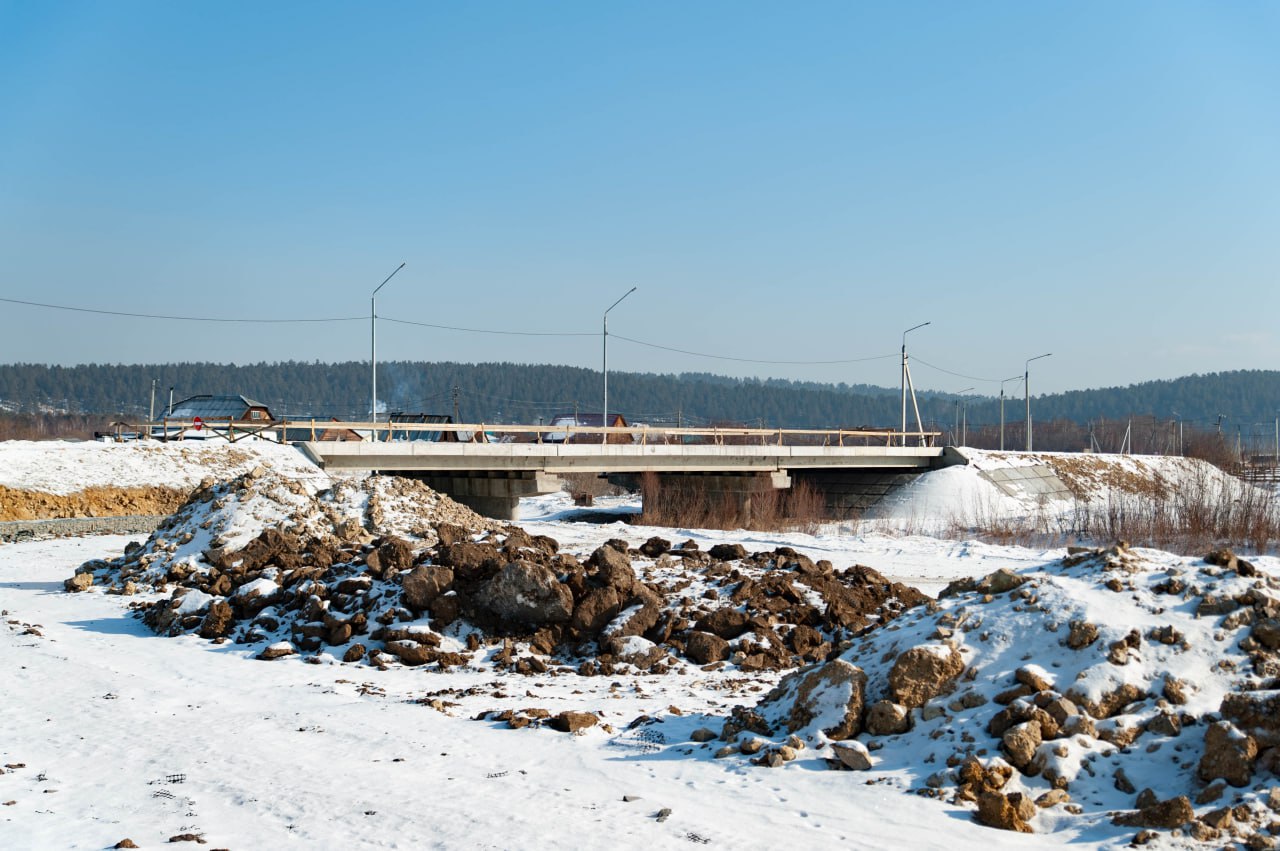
(327, 430)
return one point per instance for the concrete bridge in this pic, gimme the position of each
(852, 469)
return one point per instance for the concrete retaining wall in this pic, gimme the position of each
(68, 527)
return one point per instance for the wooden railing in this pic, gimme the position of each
(315, 430)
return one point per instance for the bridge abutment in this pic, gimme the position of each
(493, 494)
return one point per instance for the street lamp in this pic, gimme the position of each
(373, 344)
(960, 440)
(906, 378)
(604, 413)
(1026, 392)
(1002, 383)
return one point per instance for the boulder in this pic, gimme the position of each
(425, 583)
(217, 621)
(79, 582)
(277, 651)
(572, 722)
(728, 552)
(1167, 815)
(526, 594)
(833, 692)
(1020, 743)
(705, 648)
(853, 755)
(1256, 713)
(1006, 812)
(886, 718)
(655, 547)
(725, 622)
(924, 672)
(1228, 754)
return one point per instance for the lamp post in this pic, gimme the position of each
(373, 342)
(906, 375)
(1002, 383)
(1026, 392)
(959, 402)
(604, 368)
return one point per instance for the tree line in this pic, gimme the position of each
(529, 393)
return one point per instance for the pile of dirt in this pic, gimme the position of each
(387, 571)
(98, 501)
(1136, 688)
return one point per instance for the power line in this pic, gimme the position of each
(754, 360)
(492, 331)
(173, 318)
(956, 374)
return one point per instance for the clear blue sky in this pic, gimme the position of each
(782, 181)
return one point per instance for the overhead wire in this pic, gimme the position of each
(174, 318)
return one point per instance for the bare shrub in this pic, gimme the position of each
(690, 503)
(589, 484)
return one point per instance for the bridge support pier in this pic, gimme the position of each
(492, 494)
(668, 496)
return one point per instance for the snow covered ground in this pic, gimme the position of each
(106, 717)
(110, 732)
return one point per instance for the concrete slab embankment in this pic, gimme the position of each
(66, 527)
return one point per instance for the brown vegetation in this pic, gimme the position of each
(690, 504)
(51, 426)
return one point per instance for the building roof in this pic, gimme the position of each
(208, 407)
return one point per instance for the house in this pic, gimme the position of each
(432, 435)
(221, 409)
(567, 421)
(318, 429)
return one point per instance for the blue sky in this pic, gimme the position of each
(783, 182)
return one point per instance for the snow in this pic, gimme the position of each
(125, 734)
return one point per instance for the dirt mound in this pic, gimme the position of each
(386, 570)
(91, 502)
(1143, 689)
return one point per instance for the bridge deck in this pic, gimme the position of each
(612, 458)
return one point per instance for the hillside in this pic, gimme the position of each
(1241, 401)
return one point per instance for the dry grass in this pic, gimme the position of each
(690, 504)
(1197, 515)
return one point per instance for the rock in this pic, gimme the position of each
(1211, 793)
(218, 620)
(1165, 815)
(277, 651)
(975, 778)
(1256, 713)
(705, 648)
(1020, 743)
(728, 552)
(613, 569)
(725, 622)
(1034, 677)
(596, 609)
(79, 582)
(1124, 784)
(572, 722)
(853, 755)
(655, 547)
(924, 672)
(1001, 581)
(1267, 633)
(886, 718)
(703, 734)
(424, 584)
(1228, 754)
(1052, 798)
(1082, 634)
(834, 691)
(354, 653)
(1165, 724)
(469, 558)
(995, 809)
(1109, 702)
(125, 843)
(527, 594)
(1222, 558)
(1175, 690)
(392, 556)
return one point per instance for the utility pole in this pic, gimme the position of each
(1002, 383)
(151, 412)
(604, 366)
(906, 381)
(455, 404)
(1026, 393)
(373, 343)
